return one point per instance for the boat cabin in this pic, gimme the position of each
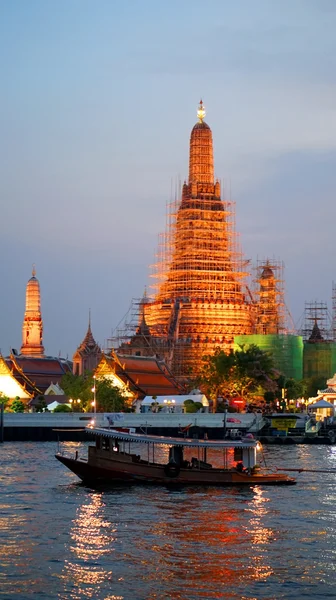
(111, 444)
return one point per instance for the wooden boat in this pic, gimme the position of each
(112, 460)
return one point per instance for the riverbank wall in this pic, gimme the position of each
(43, 427)
(71, 426)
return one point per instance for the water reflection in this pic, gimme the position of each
(62, 539)
(92, 538)
(204, 547)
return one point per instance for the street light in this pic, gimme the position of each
(94, 394)
(73, 402)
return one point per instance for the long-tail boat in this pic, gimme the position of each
(113, 460)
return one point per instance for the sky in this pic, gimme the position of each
(98, 101)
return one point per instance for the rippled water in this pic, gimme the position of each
(62, 540)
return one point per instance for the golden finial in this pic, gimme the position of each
(201, 111)
(34, 271)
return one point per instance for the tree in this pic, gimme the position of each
(216, 372)
(269, 397)
(191, 406)
(4, 400)
(254, 368)
(17, 405)
(62, 408)
(239, 373)
(77, 386)
(109, 398)
(312, 385)
(41, 405)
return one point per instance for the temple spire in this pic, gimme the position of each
(201, 162)
(201, 112)
(88, 353)
(32, 328)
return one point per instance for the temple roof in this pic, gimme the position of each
(202, 125)
(89, 344)
(38, 373)
(146, 376)
(267, 273)
(316, 335)
(11, 385)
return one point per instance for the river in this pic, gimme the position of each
(62, 540)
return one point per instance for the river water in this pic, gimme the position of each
(62, 540)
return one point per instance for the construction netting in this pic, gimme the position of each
(286, 350)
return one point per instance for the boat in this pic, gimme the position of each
(112, 460)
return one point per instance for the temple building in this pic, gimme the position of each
(13, 387)
(201, 300)
(31, 368)
(137, 376)
(87, 355)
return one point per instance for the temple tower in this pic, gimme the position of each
(200, 301)
(88, 353)
(32, 328)
(271, 309)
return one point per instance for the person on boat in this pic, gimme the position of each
(240, 467)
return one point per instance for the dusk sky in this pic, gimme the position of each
(98, 101)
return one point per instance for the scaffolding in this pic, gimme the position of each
(286, 351)
(201, 300)
(132, 335)
(334, 311)
(272, 314)
(126, 328)
(317, 323)
(199, 254)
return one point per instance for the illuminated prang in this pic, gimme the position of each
(200, 299)
(32, 328)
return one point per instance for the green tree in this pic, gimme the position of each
(109, 398)
(215, 375)
(312, 385)
(79, 387)
(254, 368)
(62, 408)
(191, 406)
(17, 405)
(294, 389)
(269, 397)
(41, 405)
(4, 400)
(237, 374)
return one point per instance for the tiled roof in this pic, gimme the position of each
(147, 376)
(38, 373)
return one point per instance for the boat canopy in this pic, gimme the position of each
(171, 441)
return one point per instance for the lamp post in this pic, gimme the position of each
(94, 395)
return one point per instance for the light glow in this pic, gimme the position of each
(201, 112)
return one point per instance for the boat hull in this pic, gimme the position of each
(118, 472)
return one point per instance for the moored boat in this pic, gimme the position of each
(113, 460)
